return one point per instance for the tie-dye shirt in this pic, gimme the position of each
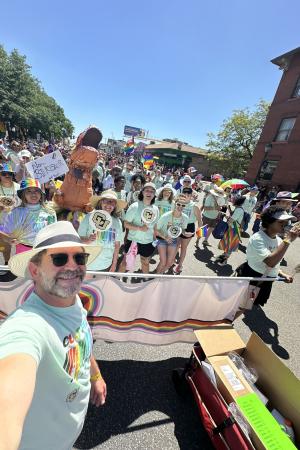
(24, 222)
(106, 239)
(60, 341)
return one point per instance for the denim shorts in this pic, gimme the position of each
(164, 243)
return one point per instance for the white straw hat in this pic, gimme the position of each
(166, 187)
(57, 235)
(111, 195)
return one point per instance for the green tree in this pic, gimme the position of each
(23, 102)
(233, 146)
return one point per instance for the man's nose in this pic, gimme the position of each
(71, 264)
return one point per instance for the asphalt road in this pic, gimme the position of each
(143, 409)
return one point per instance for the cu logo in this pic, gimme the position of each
(100, 220)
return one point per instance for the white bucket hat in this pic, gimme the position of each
(166, 187)
(186, 178)
(57, 235)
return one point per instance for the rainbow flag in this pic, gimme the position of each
(231, 239)
(129, 147)
(202, 232)
(147, 161)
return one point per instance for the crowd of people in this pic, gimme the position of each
(152, 211)
(47, 339)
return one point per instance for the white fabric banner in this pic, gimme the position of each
(157, 312)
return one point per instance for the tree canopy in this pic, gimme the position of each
(24, 104)
(233, 146)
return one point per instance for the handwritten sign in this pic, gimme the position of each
(47, 167)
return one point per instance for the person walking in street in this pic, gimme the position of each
(110, 239)
(8, 200)
(194, 215)
(266, 249)
(165, 199)
(231, 239)
(140, 219)
(47, 370)
(169, 228)
(22, 224)
(211, 208)
(127, 173)
(137, 183)
(249, 206)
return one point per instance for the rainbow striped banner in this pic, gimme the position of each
(159, 312)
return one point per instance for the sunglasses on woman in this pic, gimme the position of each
(61, 259)
(181, 205)
(7, 174)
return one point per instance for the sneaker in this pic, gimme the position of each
(222, 260)
(177, 269)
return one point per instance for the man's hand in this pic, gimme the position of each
(287, 278)
(98, 392)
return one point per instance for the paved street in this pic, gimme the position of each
(143, 410)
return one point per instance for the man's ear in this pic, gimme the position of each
(33, 270)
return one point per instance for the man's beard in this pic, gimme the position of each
(51, 286)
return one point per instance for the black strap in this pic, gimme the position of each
(58, 239)
(228, 422)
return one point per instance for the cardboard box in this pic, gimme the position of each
(230, 381)
(275, 380)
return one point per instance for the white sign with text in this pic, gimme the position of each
(47, 167)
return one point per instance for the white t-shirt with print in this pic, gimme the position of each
(260, 246)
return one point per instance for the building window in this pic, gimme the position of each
(267, 170)
(296, 92)
(285, 129)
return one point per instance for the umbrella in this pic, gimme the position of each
(235, 183)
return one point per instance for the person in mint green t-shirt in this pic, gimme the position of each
(46, 361)
(109, 240)
(169, 228)
(165, 199)
(141, 230)
(193, 213)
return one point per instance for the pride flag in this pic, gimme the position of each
(231, 239)
(148, 161)
(202, 232)
(129, 147)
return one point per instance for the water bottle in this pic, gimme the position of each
(285, 424)
(155, 243)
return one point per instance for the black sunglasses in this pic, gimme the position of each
(61, 259)
(180, 204)
(7, 174)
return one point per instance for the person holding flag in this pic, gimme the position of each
(232, 236)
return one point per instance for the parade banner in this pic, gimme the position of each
(157, 312)
(47, 167)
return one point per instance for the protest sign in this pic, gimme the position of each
(47, 167)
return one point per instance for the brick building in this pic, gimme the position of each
(276, 160)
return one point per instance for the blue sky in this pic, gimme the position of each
(176, 68)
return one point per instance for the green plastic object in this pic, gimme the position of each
(263, 423)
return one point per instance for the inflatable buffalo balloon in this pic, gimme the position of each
(76, 190)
